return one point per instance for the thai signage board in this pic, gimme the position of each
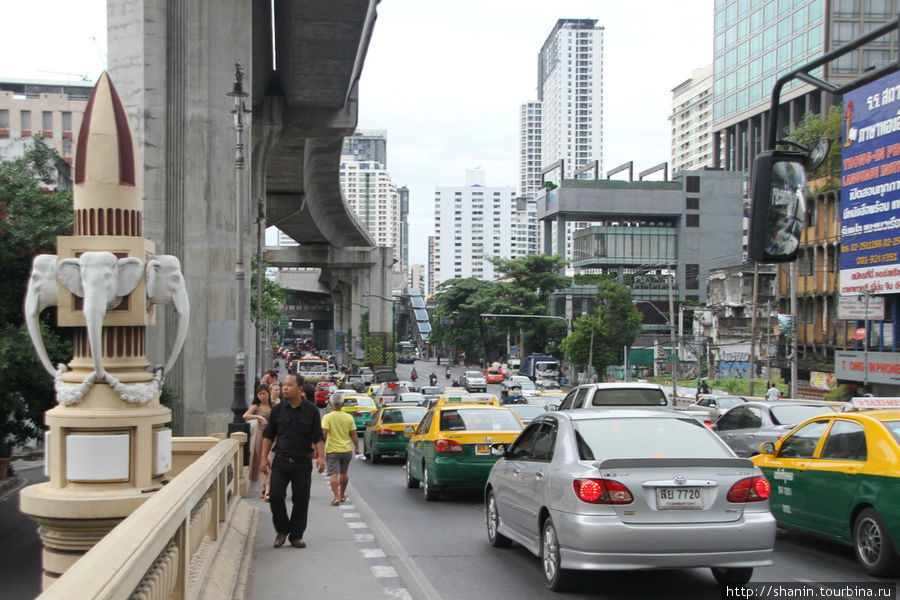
(870, 188)
(856, 308)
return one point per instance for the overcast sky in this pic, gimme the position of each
(446, 79)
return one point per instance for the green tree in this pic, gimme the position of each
(273, 294)
(32, 214)
(600, 338)
(808, 131)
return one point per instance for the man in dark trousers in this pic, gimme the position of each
(297, 425)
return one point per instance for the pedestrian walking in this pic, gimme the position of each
(339, 429)
(295, 427)
(259, 411)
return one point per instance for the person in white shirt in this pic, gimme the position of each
(773, 393)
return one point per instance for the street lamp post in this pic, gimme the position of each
(671, 337)
(239, 400)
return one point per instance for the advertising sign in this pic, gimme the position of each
(870, 188)
(883, 367)
(855, 308)
(820, 380)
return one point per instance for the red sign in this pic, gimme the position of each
(859, 334)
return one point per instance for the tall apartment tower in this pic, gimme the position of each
(570, 89)
(369, 192)
(403, 191)
(692, 121)
(472, 223)
(753, 46)
(367, 144)
(530, 149)
(431, 284)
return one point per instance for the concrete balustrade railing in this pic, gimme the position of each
(163, 549)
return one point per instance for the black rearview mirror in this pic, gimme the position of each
(779, 205)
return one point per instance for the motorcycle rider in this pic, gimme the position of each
(414, 375)
(433, 378)
(447, 372)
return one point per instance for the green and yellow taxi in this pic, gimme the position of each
(389, 430)
(837, 475)
(362, 408)
(451, 446)
(372, 389)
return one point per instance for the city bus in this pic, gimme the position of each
(311, 369)
(406, 352)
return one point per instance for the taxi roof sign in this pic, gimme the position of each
(867, 403)
(468, 399)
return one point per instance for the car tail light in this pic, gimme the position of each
(750, 489)
(602, 491)
(385, 433)
(447, 446)
(357, 415)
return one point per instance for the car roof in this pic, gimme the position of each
(596, 412)
(606, 386)
(786, 403)
(401, 405)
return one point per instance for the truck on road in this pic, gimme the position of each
(540, 366)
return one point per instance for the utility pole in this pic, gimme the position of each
(752, 372)
(674, 364)
(866, 348)
(769, 343)
(792, 269)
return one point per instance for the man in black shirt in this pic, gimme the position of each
(298, 427)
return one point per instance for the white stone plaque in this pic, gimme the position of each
(162, 451)
(98, 457)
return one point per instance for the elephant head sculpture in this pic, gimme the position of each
(102, 280)
(42, 293)
(165, 285)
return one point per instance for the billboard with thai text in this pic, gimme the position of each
(870, 188)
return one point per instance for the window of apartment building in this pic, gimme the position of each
(692, 203)
(4, 119)
(26, 121)
(846, 8)
(67, 147)
(692, 185)
(878, 8)
(692, 221)
(47, 122)
(692, 276)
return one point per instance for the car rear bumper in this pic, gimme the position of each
(452, 472)
(396, 447)
(605, 543)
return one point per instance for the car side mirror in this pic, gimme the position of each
(767, 448)
(499, 449)
(779, 205)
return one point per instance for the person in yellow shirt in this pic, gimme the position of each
(339, 429)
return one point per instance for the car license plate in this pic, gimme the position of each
(482, 448)
(678, 498)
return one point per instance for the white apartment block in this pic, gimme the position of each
(570, 89)
(369, 192)
(415, 279)
(51, 109)
(692, 121)
(530, 149)
(472, 223)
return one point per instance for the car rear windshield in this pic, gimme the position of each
(413, 414)
(646, 438)
(730, 402)
(359, 402)
(629, 397)
(791, 415)
(479, 419)
(894, 428)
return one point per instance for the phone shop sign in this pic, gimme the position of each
(870, 188)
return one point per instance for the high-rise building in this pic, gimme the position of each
(570, 89)
(753, 46)
(431, 284)
(570, 94)
(367, 144)
(472, 223)
(415, 279)
(369, 192)
(404, 226)
(530, 149)
(692, 121)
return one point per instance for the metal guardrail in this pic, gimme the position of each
(150, 554)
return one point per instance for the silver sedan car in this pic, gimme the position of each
(748, 425)
(628, 489)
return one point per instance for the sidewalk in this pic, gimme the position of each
(342, 558)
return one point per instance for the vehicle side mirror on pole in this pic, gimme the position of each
(779, 205)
